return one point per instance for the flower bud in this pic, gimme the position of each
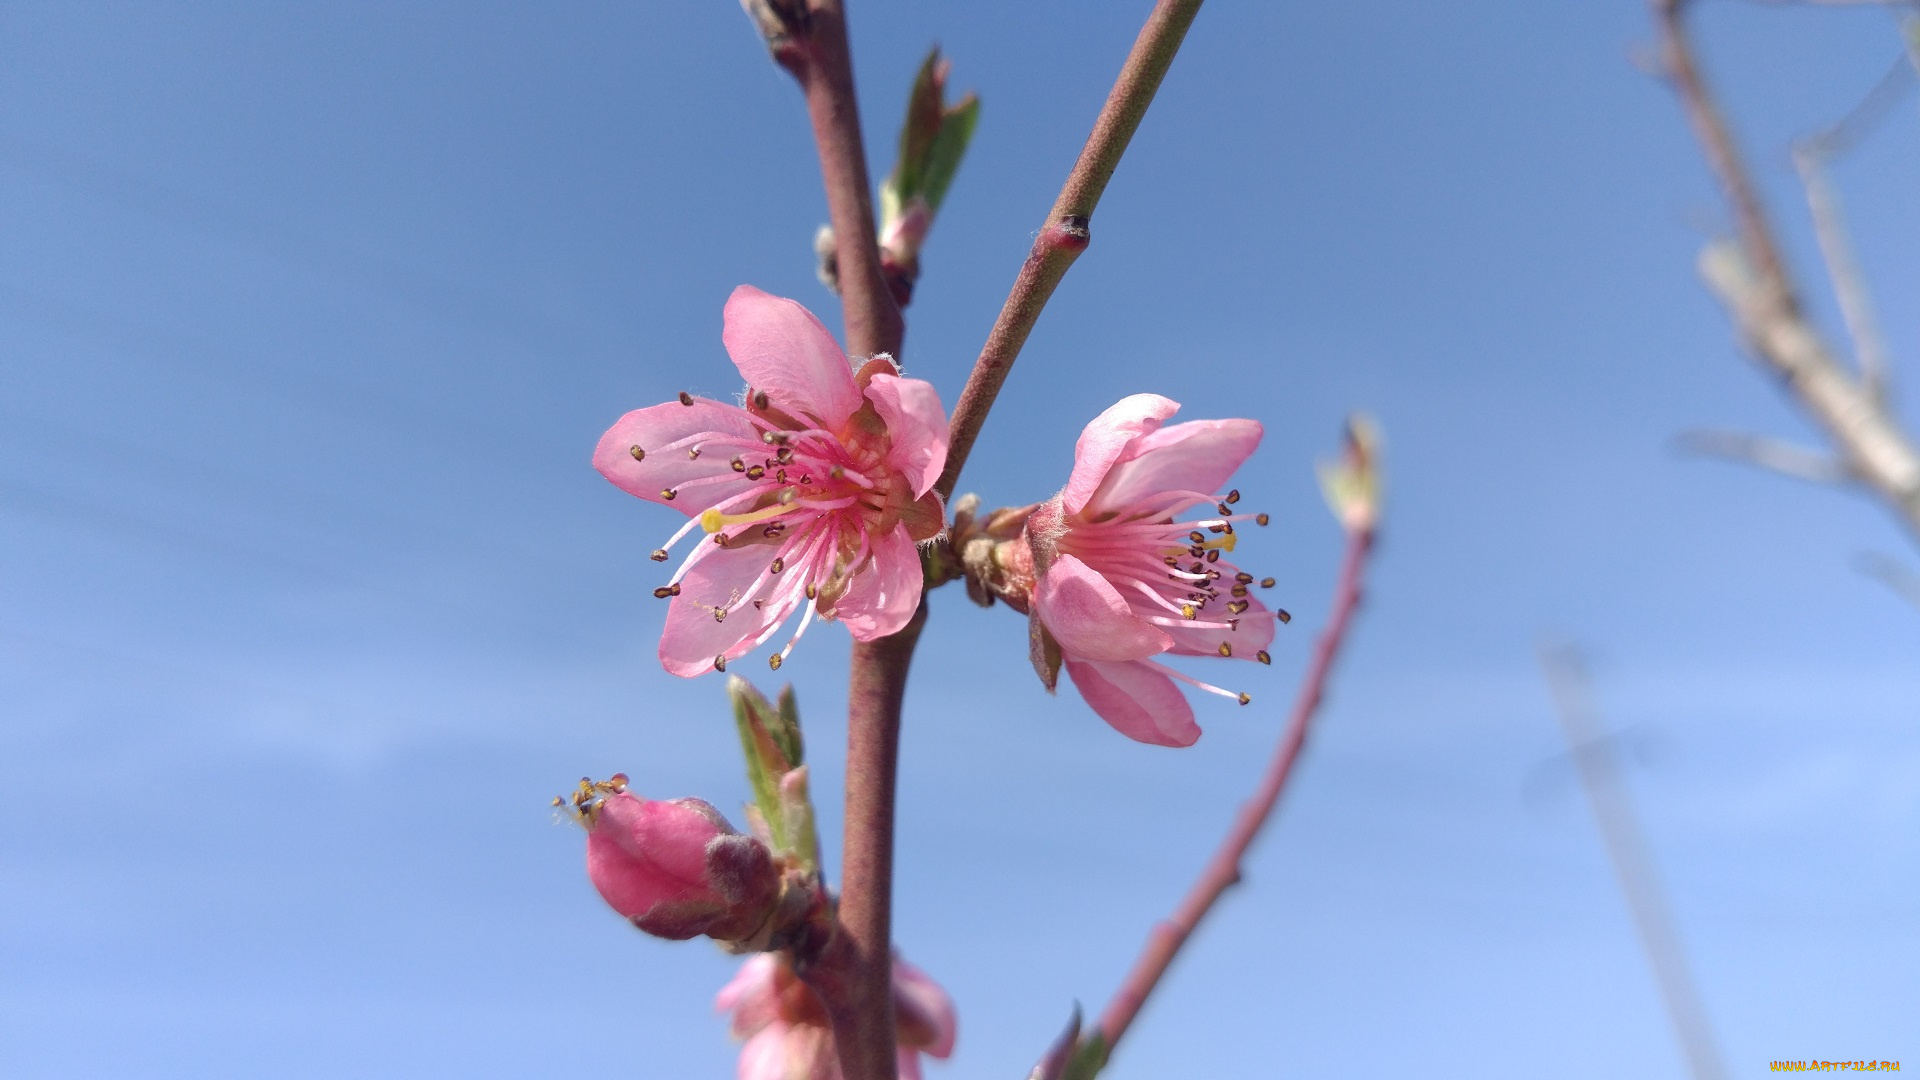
(676, 869)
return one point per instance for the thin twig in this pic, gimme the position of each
(855, 976)
(1600, 771)
(1813, 466)
(1884, 569)
(1223, 870)
(1065, 233)
(1751, 281)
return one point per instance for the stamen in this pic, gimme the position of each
(1260, 519)
(1266, 583)
(720, 663)
(1263, 657)
(693, 454)
(659, 555)
(738, 465)
(1226, 649)
(779, 565)
(1232, 496)
(665, 591)
(1182, 676)
(806, 617)
(668, 494)
(687, 399)
(638, 454)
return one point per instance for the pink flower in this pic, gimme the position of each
(790, 1038)
(814, 493)
(1120, 581)
(676, 869)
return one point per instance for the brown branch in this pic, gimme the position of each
(1751, 281)
(1632, 865)
(1223, 870)
(809, 39)
(1065, 233)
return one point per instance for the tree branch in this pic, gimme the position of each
(1786, 459)
(1065, 233)
(1751, 280)
(1600, 770)
(1223, 870)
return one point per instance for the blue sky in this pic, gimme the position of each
(309, 320)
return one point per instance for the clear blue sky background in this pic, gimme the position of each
(309, 600)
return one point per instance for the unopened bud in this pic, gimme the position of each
(675, 868)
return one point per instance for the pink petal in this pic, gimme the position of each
(917, 425)
(1255, 633)
(908, 1064)
(922, 1003)
(1196, 456)
(1106, 439)
(752, 996)
(784, 352)
(656, 428)
(765, 1056)
(1139, 702)
(1089, 617)
(731, 577)
(883, 596)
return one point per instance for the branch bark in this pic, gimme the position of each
(1751, 281)
(1065, 233)
(1223, 870)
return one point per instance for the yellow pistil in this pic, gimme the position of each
(713, 520)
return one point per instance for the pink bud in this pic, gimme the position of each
(675, 868)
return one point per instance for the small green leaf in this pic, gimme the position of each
(949, 146)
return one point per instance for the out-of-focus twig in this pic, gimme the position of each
(1750, 278)
(1632, 864)
(1810, 158)
(1883, 568)
(1813, 466)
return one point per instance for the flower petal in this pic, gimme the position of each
(1137, 701)
(655, 429)
(917, 426)
(766, 1055)
(1199, 455)
(752, 996)
(923, 1010)
(1106, 440)
(729, 578)
(882, 597)
(784, 352)
(1089, 617)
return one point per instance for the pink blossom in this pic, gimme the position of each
(675, 868)
(789, 1037)
(1120, 581)
(814, 493)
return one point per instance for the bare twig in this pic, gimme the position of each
(855, 975)
(1883, 568)
(1223, 870)
(1600, 770)
(1065, 234)
(1813, 466)
(1751, 280)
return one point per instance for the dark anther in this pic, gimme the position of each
(693, 453)
(686, 398)
(1259, 519)
(1263, 657)
(1243, 578)
(638, 454)
(775, 661)
(1171, 561)
(663, 592)
(719, 614)
(813, 591)
(1197, 536)
(1239, 606)
(738, 465)
(1233, 496)
(668, 494)
(1226, 649)
(1244, 699)
(1213, 554)
(659, 555)
(1266, 583)
(1239, 590)
(779, 565)
(719, 663)
(1282, 615)
(783, 455)
(756, 472)
(1187, 611)
(1223, 509)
